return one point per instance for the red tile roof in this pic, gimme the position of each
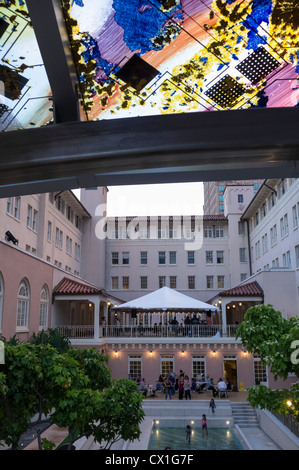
(70, 287)
(250, 289)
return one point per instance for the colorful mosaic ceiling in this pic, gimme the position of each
(142, 57)
(148, 57)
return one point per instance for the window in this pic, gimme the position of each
(172, 282)
(78, 222)
(242, 253)
(257, 250)
(1, 298)
(198, 367)
(191, 282)
(256, 219)
(221, 207)
(260, 372)
(143, 257)
(210, 282)
(9, 205)
(208, 232)
(273, 235)
(284, 226)
(143, 282)
(69, 245)
(172, 257)
(265, 243)
(29, 216)
(77, 251)
(58, 238)
(70, 214)
(240, 198)
(255, 186)
(44, 306)
(209, 257)
(49, 234)
(162, 257)
(272, 200)
(114, 282)
(220, 257)
(34, 221)
(219, 231)
(126, 257)
(17, 208)
(220, 282)
(297, 255)
(191, 257)
(162, 281)
(286, 260)
(167, 364)
(135, 367)
(114, 257)
(264, 210)
(275, 263)
(221, 198)
(23, 304)
(125, 282)
(220, 188)
(295, 212)
(243, 276)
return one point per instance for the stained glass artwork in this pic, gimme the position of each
(25, 93)
(207, 55)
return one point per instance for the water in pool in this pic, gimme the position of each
(175, 438)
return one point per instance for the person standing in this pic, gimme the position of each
(167, 387)
(181, 387)
(188, 433)
(212, 405)
(187, 387)
(204, 425)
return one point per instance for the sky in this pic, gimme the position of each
(155, 199)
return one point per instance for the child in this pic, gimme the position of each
(188, 433)
(212, 405)
(204, 426)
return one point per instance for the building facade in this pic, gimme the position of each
(214, 194)
(64, 264)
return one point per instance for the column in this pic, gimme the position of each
(223, 315)
(96, 303)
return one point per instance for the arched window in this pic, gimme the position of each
(1, 299)
(44, 307)
(23, 304)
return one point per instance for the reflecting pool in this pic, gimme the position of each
(175, 438)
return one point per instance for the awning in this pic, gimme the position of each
(166, 299)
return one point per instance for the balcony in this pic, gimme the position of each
(167, 331)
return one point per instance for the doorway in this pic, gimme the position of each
(230, 371)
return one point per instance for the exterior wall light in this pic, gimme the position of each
(116, 353)
(182, 352)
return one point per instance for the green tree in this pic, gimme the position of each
(73, 389)
(265, 332)
(53, 338)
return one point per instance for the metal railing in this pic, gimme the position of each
(77, 331)
(170, 331)
(289, 421)
(167, 331)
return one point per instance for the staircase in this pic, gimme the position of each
(244, 415)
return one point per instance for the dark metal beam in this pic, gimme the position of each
(51, 35)
(244, 144)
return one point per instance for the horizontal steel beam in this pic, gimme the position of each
(243, 144)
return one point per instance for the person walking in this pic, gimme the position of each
(188, 433)
(204, 425)
(187, 387)
(212, 405)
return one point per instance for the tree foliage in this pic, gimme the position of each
(73, 389)
(266, 333)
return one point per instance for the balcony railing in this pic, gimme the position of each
(77, 331)
(169, 331)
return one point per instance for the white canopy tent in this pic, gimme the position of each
(166, 299)
(161, 306)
